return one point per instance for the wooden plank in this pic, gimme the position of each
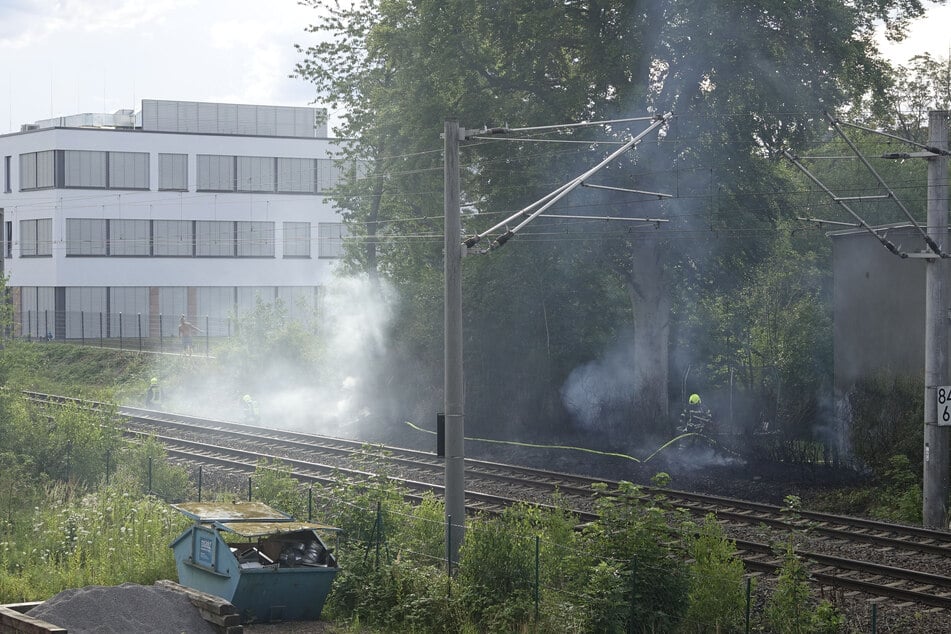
(12, 622)
(203, 600)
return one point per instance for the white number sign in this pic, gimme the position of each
(943, 394)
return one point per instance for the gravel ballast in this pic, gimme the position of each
(122, 609)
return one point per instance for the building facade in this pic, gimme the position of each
(118, 225)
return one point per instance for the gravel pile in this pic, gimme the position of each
(121, 610)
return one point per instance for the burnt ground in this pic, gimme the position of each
(704, 471)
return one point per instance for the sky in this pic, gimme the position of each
(63, 57)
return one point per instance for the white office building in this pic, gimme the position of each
(119, 224)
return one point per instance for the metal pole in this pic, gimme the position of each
(161, 338)
(138, 325)
(199, 483)
(101, 336)
(935, 476)
(82, 327)
(454, 397)
(120, 331)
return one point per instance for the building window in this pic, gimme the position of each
(8, 238)
(296, 239)
(129, 311)
(216, 173)
(36, 170)
(330, 236)
(85, 236)
(329, 174)
(173, 172)
(84, 168)
(37, 310)
(173, 238)
(128, 170)
(36, 238)
(255, 174)
(295, 175)
(86, 312)
(255, 239)
(214, 238)
(6, 174)
(128, 237)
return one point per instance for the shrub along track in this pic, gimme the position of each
(906, 568)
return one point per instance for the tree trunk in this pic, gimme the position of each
(649, 291)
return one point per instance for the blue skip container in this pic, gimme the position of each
(270, 567)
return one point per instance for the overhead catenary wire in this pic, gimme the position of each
(538, 207)
(923, 146)
(924, 234)
(885, 242)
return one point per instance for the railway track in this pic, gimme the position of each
(906, 565)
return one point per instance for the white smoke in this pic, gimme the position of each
(600, 386)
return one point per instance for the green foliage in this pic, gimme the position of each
(398, 596)
(901, 499)
(144, 468)
(268, 346)
(21, 488)
(106, 538)
(61, 441)
(789, 609)
(887, 411)
(717, 589)
(396, 73)
(771, 336)
(70, 370)
(497, 569)
(630, 536)
(273, 484)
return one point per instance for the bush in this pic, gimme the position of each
(497, 570)
(717, 589)
(887, 414)
(144, 468)
(633, 537)
(789, 609)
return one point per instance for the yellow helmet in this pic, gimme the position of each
(247, 398)
(154, 381)
(694, 399)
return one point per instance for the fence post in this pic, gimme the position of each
(82, 327)
(206, 336)
(138, 325)
(46, 324)
(199, 483)
(249, 488)
(29, 325)
(310, 504)
(161, 334)
(102, 336)
(630, 624)
(874, 618)
(749, 585)
(449, 555)
(120, 331)
(537, 580)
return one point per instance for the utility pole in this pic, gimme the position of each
(455, 488)
(935, 476)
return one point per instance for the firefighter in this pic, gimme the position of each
(154, 395)
(251, 413)
(695, 417)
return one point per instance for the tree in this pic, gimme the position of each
(923, 85)
(743, 79)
